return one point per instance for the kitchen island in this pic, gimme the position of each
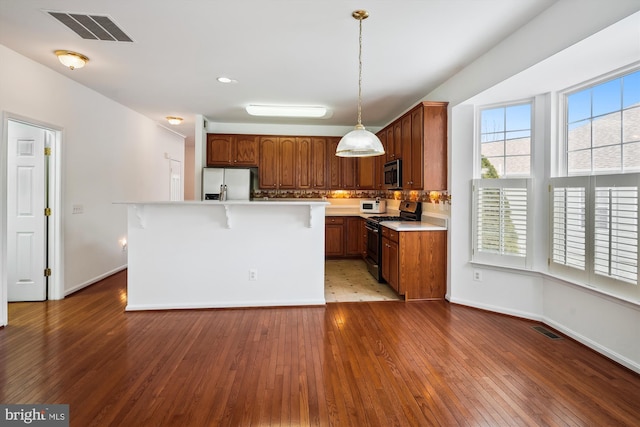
(211, 254)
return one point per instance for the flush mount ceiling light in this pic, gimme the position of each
(226, 80)
(70, 59)
(359, 142)
(174, 120)
(286, 111)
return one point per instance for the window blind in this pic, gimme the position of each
(500, 221)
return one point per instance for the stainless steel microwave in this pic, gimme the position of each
(393, 175)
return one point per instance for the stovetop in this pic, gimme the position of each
(385, 218)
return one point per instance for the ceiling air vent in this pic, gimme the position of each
(92, 27)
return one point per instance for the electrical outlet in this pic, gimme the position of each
(477, 275)
(253, 274)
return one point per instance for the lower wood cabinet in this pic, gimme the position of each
(414, 263)
(343, 236)
(334, 236)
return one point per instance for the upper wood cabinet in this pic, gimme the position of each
(341, 171)
(433, 133)
(268, 165)
(232, 150)
(285, 162)
(366, 173)
(319, 162)
(303, 154)
(420, 140)
(380, 161)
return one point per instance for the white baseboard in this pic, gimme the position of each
(142, 307)
(594, 345)
(76, 288)
(630, 364)
(496, 309)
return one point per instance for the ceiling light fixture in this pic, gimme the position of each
(174, 120)
(226, 80)
(286, 111)
(70, 59)
(359, 142)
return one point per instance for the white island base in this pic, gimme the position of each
(189, 255)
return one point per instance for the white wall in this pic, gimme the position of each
(109, 153)
(533, 63)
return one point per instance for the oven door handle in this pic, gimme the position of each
(373, 230)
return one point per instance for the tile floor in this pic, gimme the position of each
(348, 280)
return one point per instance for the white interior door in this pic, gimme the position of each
(26, 237)
(176, 180)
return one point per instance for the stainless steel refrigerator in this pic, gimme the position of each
(237, 182)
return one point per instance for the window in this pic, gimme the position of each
(602, 129)
(505, 141)
(594, 208)
(594, 231)
(501, 196)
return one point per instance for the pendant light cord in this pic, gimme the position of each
(360, 75)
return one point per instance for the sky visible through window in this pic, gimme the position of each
(605, 98)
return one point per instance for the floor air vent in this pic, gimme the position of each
(92, 27)
(544, 331)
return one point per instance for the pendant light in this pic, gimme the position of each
(359, 142)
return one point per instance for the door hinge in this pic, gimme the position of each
(47, 272)
(47, 151)
(47, 211)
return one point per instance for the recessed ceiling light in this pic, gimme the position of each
(287, 111)
(226, 80)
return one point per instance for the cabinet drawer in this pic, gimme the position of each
(334, 220)
(390, 234)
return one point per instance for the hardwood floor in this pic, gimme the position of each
(346, 364)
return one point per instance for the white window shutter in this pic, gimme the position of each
(500, 210)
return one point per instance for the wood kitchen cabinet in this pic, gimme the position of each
(411, 164)
(344, 236)
(224, 150)
(341, 171)
(424, 153)
(390, 260)
(419, 138)
(414, 263)
(353, 236)
(430, 127)
(277, 166)
(319, 163)
(268, 164)
(380, 161)
(366, 173)
(334, 236)
(303, 162)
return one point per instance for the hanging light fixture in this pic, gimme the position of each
(70, 59)
(359, 142)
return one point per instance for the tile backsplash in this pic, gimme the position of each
(435, 197)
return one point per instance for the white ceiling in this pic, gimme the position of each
(279, 51)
